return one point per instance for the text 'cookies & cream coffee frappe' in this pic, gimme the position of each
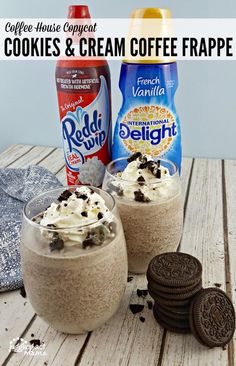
(74, 257)
(148, 195)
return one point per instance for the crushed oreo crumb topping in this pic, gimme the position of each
(149, 304)
(95, 237)
(100, 215)
(139, 197)
(158, 173)
(130, 278)
(56, 244)
(142, 319)
(84, 214)
(141, 180)
(134, 157)
(82, 196)
(136, 308)
(147, 164)
(64, 196)
(51, 226)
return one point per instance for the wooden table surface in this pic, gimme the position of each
(209, 188)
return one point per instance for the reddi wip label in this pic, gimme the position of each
(84, 106)
(147, 121)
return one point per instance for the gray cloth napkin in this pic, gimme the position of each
(17, 186)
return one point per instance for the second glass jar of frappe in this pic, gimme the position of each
(148, 195)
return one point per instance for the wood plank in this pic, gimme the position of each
(54, 162)
(34, 156)
(60, 349)
(125, 340)
(16, 314)
(230, 187)
(13, 153)
(203, 237)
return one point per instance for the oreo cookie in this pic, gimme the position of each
(179, 310)
(173, 290)
(175, 269)
(163, 301)
(175, 296)
(174, 322)
(170, 324)
(178, 315)
(212, 317)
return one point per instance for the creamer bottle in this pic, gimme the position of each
(148, 121)
(84, 99)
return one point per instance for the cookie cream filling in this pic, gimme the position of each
(73, 215)
(144, 180)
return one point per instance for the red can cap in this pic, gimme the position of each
(78, 11)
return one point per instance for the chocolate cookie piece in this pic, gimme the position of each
(175, 269)
(168, 302)
(136, 308)
(134, 156)
(141, 180)
(139, 197)
(168, 325)
(213, 317)
(56, 244)
(174, 322)
(64, 195)
(182, 296)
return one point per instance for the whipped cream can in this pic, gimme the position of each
(147, 121)
(84, 99)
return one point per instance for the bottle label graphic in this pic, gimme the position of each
(85, 123)
(147, 121)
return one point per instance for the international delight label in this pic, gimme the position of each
(147, 121)
(84, 104)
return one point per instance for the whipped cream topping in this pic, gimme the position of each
(144, 180)
(76, 210)
(82, 207)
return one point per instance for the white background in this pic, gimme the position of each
(205, 100)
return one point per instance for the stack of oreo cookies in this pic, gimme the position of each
(183, 306)
(173, 280)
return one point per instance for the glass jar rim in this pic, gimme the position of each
(154, 182)
(63, 188)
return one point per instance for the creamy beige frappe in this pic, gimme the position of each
(74, 258)
(148, 196)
